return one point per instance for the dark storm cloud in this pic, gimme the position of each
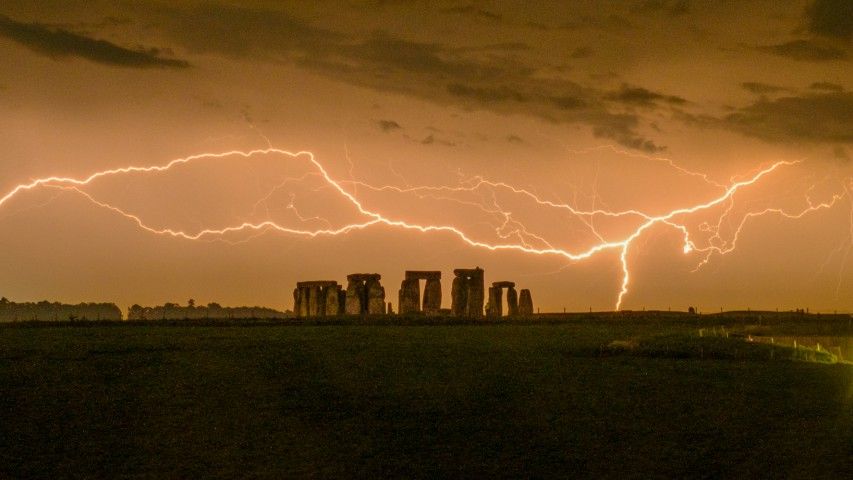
(832, 87)
(382, 50)
(828, 30)
(245, 32)
(567, 102)
(622, 129)
(274, 35)
(388, 125)
(762, 88)
(642, 97)
(831, 18)
(59, 43)
(806, 50)
(824, 117)
(499, 82)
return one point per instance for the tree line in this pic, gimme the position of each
(55, 311)
(60, 312)
(191, 311)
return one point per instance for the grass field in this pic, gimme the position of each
(581, 399)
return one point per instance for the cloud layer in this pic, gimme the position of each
(496, 81)
(506, 74)
(823, 117)
(59, 43)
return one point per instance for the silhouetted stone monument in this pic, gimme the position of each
(332, 300)
(409, 297)
(525, 303)
(314, 304)
(410, 294)
(432, 296)
(496, 299)
(467, 293)
(375, 296)
(316, 298)
(365, 295)
(494, 306)
(355, 296)
(512, 302)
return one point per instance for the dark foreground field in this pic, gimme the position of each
(418, 402)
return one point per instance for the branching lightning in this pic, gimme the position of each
(512, 234)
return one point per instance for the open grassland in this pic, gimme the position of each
(628, 399)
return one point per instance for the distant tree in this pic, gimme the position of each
(191, 303)
(136, 312)
(4, 301)
(213, 305)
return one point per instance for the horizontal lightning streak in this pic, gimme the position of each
(371, 217)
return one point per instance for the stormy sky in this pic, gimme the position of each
(649, 105)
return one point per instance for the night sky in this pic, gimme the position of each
(496, 122)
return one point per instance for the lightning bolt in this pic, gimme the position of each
(509, 227)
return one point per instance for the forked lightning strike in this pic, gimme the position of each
(509, 227)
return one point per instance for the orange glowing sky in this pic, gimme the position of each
(703, 148)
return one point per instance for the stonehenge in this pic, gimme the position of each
(410, 294)
(525, 303)
(317, 298)
(517, 304)
(496, 299)
(512, 302)
(364, 295)
(467, 293)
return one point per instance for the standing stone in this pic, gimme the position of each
(297, 292)
(410, 297)
(512, 302)
(303, 301)
(476, 293)
(315, 302)
(525, 303)
(310, 303)
(432, 296)
(355, 293)
(375, 297)
(342, 301)
(389, 310)
(331, 295)
(365, 294)
(468, 293)
(459, 296)
(495, 301)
